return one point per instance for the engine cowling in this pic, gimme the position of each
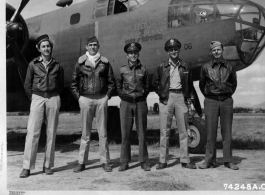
(21, 35)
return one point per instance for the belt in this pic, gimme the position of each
(219, 97)
(175, 90)
(133, 99)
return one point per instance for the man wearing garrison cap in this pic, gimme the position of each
(43, 84)
(174, 86)
(218, 83)
(93, 85)
(132, 87)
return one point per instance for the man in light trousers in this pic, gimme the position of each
(92, 85)
(174, 87)
(43, 84)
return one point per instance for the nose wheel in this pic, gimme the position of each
(194, 137)
(197, 136)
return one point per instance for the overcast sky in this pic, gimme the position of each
(251, 81)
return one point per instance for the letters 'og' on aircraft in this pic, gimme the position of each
(238, 24)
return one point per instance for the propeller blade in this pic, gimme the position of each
(23, 3)
(20, 61)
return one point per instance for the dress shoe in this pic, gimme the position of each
(25, 173)
(145, 166)
(47, 171)
(206, 166)
(79, 168)
(106, 167)
(231, 166)
(188, 166)
(124, 167)
(161, 166)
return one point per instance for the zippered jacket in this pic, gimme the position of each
(90, 80)
(42, 82)
(133, 83)
(218, 83)
(162, 83)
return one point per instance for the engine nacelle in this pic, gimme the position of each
(19, 30)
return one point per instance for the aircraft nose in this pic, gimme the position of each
(250, 27)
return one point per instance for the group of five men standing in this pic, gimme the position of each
(93, 84)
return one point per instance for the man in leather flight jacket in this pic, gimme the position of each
(92, 85)
(132, 87)
(218, 83)
(188, 90)
(174, 86)
(43, 84)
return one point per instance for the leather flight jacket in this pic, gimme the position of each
(133, 83)
(44, 82)
(218, 81)
(90, 80)
(162, 83)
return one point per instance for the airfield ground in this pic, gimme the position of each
(245, 129)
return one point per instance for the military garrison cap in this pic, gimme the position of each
(215, 44)
(42, 38)
(172, 43)
(132, 47)
(91, 39)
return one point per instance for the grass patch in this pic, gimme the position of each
(17, 127)
(248, 131)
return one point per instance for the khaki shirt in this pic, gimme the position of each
(175, 82)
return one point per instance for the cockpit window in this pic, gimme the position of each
(121, 6)
(101, 8)
(226, 11)
(134, 4)
(179, 16)
(203, 13)
(111, 6)
(250, 14)
(250, 32)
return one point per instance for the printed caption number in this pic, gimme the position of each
(243, 187)
(188, 46)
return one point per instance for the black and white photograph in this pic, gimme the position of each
(132, 96)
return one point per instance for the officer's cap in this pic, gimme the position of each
(132, 47)
(91, 39)
(172, 43)
(42, 38)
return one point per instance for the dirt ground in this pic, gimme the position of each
(173, 178)
(246, 129)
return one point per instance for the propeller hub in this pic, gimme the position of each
(13, 30)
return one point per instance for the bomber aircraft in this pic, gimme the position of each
(238, 24)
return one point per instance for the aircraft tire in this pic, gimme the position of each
(113, 125)
(198, 140)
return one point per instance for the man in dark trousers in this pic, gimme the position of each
(174, 86)
(132, 86)
(218, 83)
(92, 85)
(43, 84)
